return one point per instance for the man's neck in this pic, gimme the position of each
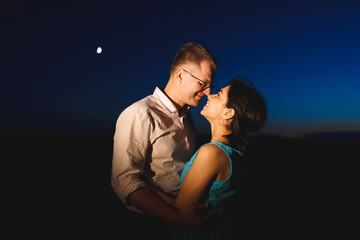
(170, 93)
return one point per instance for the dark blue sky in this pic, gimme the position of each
(303, 56)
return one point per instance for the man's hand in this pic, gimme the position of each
(195, 217)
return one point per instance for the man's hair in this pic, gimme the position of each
(193, 53)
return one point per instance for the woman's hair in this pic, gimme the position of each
(194, 53)
(250, 111)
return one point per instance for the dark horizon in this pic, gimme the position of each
(65, 182)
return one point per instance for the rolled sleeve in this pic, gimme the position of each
(131, 141)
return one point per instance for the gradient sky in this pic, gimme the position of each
(303, 56)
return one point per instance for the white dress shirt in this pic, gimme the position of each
(151, 141)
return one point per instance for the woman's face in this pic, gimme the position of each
(216, 105)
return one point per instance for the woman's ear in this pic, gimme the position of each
(228, 113)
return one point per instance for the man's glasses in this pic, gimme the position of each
(203, 84)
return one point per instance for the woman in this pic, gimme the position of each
(213, 173)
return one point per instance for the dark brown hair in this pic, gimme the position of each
(250, 111)
(195, 53)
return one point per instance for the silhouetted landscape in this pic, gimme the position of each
(61, 184)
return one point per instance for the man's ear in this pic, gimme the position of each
(228, 113)
(179, 75)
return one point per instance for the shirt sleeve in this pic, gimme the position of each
(131, 141)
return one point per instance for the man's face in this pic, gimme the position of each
(196, 80)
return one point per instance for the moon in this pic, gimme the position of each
(99, 50)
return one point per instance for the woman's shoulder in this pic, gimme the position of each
(210, 148)
(211, 152)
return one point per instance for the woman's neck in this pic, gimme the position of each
(218, 134)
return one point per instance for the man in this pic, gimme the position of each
(155, 137)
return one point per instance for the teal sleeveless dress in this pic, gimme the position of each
(219, 193)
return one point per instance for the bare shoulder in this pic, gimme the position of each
(212, 153)
(210, 149)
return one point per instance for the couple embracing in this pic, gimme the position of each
(174, 190)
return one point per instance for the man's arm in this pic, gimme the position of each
(162, 195)
(131, 141)
(149, 203)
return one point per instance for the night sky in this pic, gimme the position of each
(303, 56)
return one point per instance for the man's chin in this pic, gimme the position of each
(197, 100)
(196, 103)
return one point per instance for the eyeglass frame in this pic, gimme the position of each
(203, 84)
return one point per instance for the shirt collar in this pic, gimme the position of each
(167, 103)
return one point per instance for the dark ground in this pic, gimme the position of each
(60, 186)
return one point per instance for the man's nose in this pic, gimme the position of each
(207, 91)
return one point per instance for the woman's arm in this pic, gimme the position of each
(209, 161)
(197, 182)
